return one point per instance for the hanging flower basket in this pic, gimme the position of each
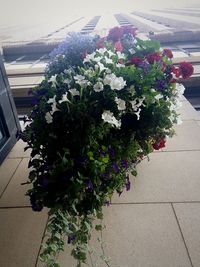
(104, 105)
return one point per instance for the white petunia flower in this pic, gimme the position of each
(67, 81)
(107, 116)
(89, 57)
(64, 98)
(120, 55)
(117, 83)
(49, 118)
(53, 80)
(100, 66)
(110, 53)
(98, 87)
(74, 91)
(158, 97)
(108, 78)
(52, 100)
(101, 50)
(120, 65)
(121, 104)
(136, 104)
(138, 114)
(79, 77)
(108, 60)
(180, 89)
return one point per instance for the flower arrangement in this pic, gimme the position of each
(102, 107)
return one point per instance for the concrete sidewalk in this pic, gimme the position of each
(155, 224)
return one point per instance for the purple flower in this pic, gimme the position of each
(108, 203)
(90, 185)
(145, 65)
(111, 152)
(125, 163)
(36, 205)
(161, 84)
(102, 153)
(115, 167)
(71, 238)
(82, 160)
(128, 184)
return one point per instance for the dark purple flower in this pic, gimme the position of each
(36, 205)
(35, 101)
(90, 185)
(82, 160)
(145, 65)
(111, 152)
(161, 84)
(128, 184)
(125, 163)
(119, 192)
(102, 153)
(108, 203)
(115, 167)
(71, 238)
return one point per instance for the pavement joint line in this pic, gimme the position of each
(26, 157)
(15, 207)
(182, 150)
(11, 177)
(158, 202)
(42, 239)
(121, 203)
(182, 235)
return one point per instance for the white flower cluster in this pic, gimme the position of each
(108, 116)
(136, 106)
(176, 104)
(116, 83)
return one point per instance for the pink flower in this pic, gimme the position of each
(118, 46)
(100, 43)
(154, 57)
(115, 34)
(186, 69)
(129, 30)
(168, 53)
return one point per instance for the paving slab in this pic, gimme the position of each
(187, 137)
(188, 215)
(14, 194)
(20, 236)
(18, 150)
(167, 177)
(7, 170)
(187, 112)
(143, 235)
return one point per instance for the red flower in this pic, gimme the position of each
(136, 60)
(164, 67)
(118, 46)
(121, 61)
(115, 34)
(186, 69)
(100, 43)
(176, 71)
(129, 30)
(154, 57)
(168, 53)
(160, 144)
